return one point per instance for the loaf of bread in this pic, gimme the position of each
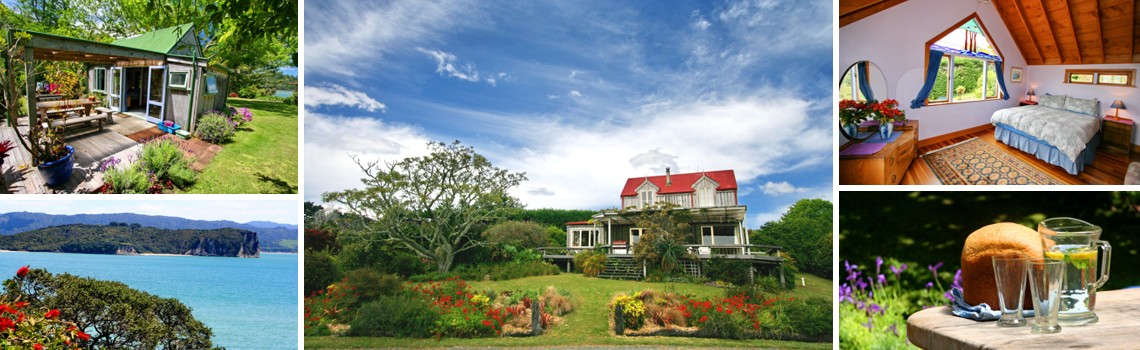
(978, 283)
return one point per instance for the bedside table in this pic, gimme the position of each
(1027, 103)
(1117, 136)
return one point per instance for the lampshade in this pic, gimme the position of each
(1030, 92)
(1117, 104)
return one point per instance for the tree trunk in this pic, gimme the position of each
(444, 261)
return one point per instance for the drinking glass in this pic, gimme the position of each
(1045, 276)
(1010, 272)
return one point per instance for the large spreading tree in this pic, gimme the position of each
(805, 232)
(435, 205)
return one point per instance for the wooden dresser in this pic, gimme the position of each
(1117, 136)
(885, 167)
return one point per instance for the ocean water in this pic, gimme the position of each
(249, 303)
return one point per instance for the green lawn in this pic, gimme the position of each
(587, 324)
(262, 158)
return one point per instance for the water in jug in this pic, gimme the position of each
(1076, 242)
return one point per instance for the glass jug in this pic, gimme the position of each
(1075, 241)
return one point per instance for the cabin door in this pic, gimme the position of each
(115, 91)
(156, 93)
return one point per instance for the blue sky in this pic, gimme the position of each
(579, 95)
(240, 211)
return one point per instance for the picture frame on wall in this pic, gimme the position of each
(1015, 74)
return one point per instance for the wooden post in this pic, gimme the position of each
(30, 85)
(619, 320)
(752, 274)
(535, 318)
(643, 270)
(781, 267)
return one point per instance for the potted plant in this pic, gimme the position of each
(55, 158)
(851, 113)
(887, 113)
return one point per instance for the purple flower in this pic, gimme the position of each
(894, 329)
(882, 279)
(878, 264)
(957, 280)
(870, 326)
(846, 293)
(875, 309)
(948, 296)
(934, 268)
(929, 285)
(898, 270)
(859, 305)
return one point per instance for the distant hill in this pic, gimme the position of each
(274, 237)
(133, 239)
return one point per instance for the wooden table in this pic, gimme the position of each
(43, 107)
(1119, 312)
(886, 166)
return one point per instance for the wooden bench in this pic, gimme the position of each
(107, 112)
(69, 122)
(62, 111)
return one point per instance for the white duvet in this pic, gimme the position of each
(1067, 131)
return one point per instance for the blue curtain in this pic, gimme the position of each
(864, 81)
(931, 74)
(1001, 80)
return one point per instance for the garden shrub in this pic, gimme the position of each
(320, 271)
(721, 325)
(633, 310)
(238, 117)
(215, 127)
(321, 240)
(394, 316)
(731, 271)
(555, 301)
(591, 263)
(495, 272)
(521, 234)
(811, 318)
(370, 284)
(790, 278)
(381, 258)
(166, 161)
(292, 99)
(129, 180)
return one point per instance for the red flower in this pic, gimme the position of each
(487, 323)
(22, 271)
(704, 318)
(53, 313)
(719, 308)
(756, 325)
(729, 311)
(82, 335)
(6, 324)
(38, 347)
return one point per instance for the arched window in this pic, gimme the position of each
(962, 65)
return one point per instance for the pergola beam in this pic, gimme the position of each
(51, 43)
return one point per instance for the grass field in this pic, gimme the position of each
(262, 159)
(587, 324)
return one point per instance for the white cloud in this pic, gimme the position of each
(540, 191)
(331, 141)
(700, 21)
(575, 93)
(447, 65)
(552, 97)
(780, 188)
(332, 94)
(573, 73)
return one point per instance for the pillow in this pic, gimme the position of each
(1053, 101)
(1082, 106)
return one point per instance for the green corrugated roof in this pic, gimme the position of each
(161, 41)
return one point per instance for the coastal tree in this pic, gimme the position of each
(805, 232)
(115, 316)
(434, 205)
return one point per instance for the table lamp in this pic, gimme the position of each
(1118, 104)
(1030, 93)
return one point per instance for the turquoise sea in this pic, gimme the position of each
(249, 303)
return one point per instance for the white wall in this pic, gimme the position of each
(1049, 79)
(893, 39)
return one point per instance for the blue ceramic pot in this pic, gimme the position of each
(57, 172)
(886, 130)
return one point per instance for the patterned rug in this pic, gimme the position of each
(976, 162)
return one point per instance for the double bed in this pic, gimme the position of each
(1061, 130)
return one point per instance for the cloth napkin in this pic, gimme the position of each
(980, 312)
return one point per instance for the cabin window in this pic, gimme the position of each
(180, 80)
(211, 84)
(1101, 77)
(635, 235)
(647, 198)
(969, 69)
(99, 80)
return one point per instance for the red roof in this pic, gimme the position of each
(572, 223)
(682, 183)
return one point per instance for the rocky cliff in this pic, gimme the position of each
(209, 246)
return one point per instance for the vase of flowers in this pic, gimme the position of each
(887, 113)
(851, 113)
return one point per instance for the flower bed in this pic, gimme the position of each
(739, 316)
(448, 308)
(873, 307)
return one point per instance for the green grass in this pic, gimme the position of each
(262, 158)
(587, 325)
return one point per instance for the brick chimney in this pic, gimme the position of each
(668, 179)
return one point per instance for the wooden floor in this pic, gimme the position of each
(91, 145)
(1107, 169)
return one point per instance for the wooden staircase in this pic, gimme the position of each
(622, 268)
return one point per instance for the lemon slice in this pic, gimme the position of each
(1085, 255)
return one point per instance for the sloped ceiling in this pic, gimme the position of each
(1051, 31)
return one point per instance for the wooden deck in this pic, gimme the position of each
(92, 146)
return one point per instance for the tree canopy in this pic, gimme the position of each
(434, 205)
(805, 232)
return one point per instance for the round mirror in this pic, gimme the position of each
(862, 82)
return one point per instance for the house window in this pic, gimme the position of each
(180, 80)
(646, 198)
(583, 237)
(99, 82)
(211, 84)
(1111, 77)
(707, 235)
(635, 235)
(968, 69)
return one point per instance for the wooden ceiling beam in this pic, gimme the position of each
(1032, 38)
(1009, 19)
(1130, 14)
(851, 11)
(1073, 28)
(1135, 34)
(1099, 30)
(1048, 29)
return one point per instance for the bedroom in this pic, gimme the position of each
(1009, 92)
